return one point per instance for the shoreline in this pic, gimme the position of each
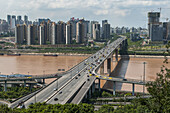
(76, 54)
(143, 56)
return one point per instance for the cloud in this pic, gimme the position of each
(93, 9)
(101, 12)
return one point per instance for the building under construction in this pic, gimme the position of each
(158, 31)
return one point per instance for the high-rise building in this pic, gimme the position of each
(80, 32)
(3, 26)
(73, 22)
(155, 27)
(9, 19)
(61, 32)
(96, 31)
(166, 30)
(42, 20)
(49, 25)
(13, 22)
(91, 28)
(156, 32)
(42, 34)
(32, 34)
(53, 34)
(20, 34)
(26, 19)
(106, 31)
(68, 33)
(19, 20)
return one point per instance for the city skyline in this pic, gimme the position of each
(117, 12)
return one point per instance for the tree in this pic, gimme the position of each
(160, 89)
(106, 109)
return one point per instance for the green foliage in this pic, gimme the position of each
(106, 94)
(15, 92)
(49, 108)
(134, 44)
(106, 109)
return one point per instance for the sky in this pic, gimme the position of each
(120, 13)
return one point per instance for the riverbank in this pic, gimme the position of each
(59, 54)
(76, 54)
(142, 56)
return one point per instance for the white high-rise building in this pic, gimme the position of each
(68, 33)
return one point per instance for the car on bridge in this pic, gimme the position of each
(55, 99)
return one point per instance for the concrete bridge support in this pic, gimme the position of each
(116, 54)
(114, 88)
(90, 92)
(133, 89)
(24, 83)
(109, 66)
(86, 96)
(102, 69)
(99, 85)
(43, 80)
(5, 86)
(93, 88)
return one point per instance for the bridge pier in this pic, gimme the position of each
(93, 88)
(43, 80)
(102, 69)
(86, 96)
(5, 86)
(114, 88)
(109, 66)
(116, 54)
(30, 87)
(24, 83)
(133, 89)
(99, 85)
(90, 92)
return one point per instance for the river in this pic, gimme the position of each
(132, 68)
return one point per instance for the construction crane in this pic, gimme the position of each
(162, 8)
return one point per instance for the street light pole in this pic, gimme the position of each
(144, 78)
(57, 84)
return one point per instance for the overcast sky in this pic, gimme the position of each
(118, 12)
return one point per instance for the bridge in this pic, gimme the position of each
(79, 82)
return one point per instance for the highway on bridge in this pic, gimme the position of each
(74, 80)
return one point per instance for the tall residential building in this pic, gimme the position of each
(42, 20)
(166, 30)
(155, 27)
(156, 32)
(96, 31)
(26, 19)
(80, 32)
(106, 31)
(20, 34)
(3, 26)
(9, 19)
(68, 33)
(103, 22)
(53, 39)
(13, 22)
(42, 34)
(91, 28)
(73, 22)
(19, 20)
(49, 28)
(61, 32)
(32, 34)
